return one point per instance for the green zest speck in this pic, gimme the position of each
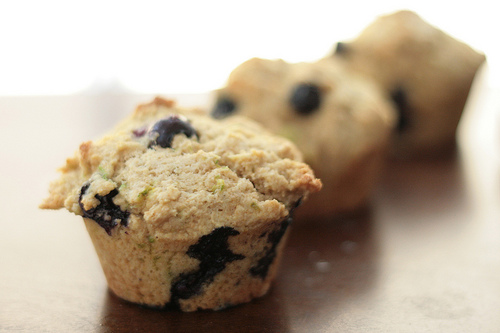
(255, 206)
(220, 185)
(145, 192)
(103, 172)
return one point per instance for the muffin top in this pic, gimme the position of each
(425, 71)
(180, 173)
(332, 115)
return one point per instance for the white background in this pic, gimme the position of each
(61, 47)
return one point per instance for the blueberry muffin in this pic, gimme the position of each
(185, 211)
(341, 122)
(427, 73)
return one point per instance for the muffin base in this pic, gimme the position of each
(214, 271)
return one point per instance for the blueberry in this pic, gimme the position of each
(262, 267)
(341, 48)
(213, 252)
(305, 98)
(400, 99)
(107, 214)
(223, 108)
(163, 131)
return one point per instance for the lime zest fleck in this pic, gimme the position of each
(151, 239)
(255, 206)
(217, 163)
(103, 172)
(144, 193)
(219, 185)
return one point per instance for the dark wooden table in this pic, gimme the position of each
(423, 257)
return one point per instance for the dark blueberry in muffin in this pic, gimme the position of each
(305, 98)
(224, 107)
(341, 48)
(107, 214)
(213, 252)
(164, 131)
(274, 238)
(400, 99)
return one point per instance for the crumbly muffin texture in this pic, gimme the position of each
(426, 72)
(185, 210)
(340, 121)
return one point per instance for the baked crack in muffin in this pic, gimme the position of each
(185, 211)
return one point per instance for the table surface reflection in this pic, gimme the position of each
(423, 256)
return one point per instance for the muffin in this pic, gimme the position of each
(185, 211)
(427, 73)
(341, 122)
